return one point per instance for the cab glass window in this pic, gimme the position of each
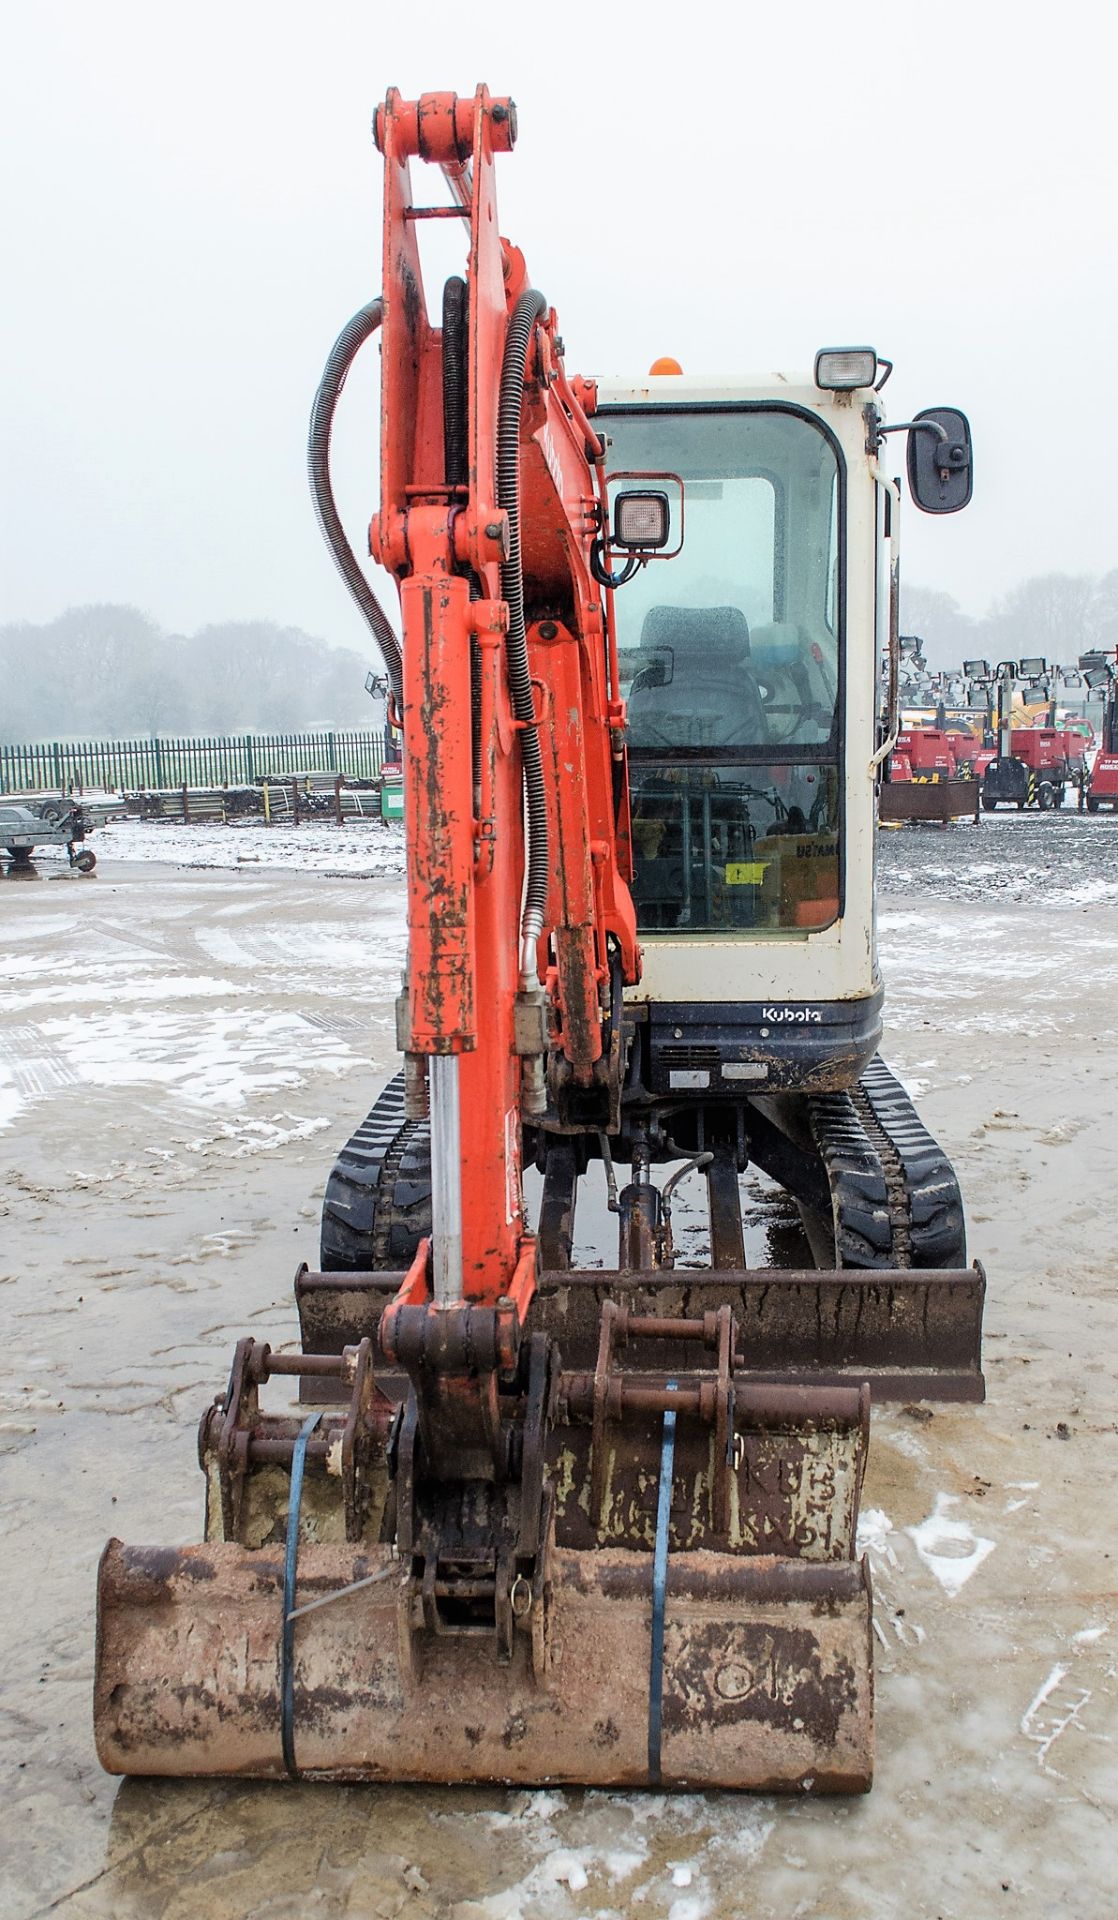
(730, 664)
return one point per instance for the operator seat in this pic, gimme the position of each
(698, 688)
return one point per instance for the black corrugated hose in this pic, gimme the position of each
(342, 355)
(456, 447)
(529, 309)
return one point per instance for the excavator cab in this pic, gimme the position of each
(530, 1520)
(730, 659)
(733, 660)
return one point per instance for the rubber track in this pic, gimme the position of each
(895, 1196)
(377, 1205)
(896, 1199)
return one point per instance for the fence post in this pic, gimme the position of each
(158, 761)
(250, 761)
(338, 797)
(294, 801)
(185, 803)
(56, 752)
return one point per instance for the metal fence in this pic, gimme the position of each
(130, 766)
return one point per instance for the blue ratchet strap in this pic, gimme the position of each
(290, 1565)
(659, 1589)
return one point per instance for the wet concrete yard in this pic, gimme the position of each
(180, 1055)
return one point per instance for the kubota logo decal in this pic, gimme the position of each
(802, 1016)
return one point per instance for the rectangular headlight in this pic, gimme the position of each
(641, 520)
(976, 669)
(1033, 667)
(840, 369)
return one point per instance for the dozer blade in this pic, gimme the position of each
(766, 1673)
(911, 1333)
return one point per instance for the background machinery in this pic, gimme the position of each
(31, 823)
(1030, 765)
(1101, 673)
(536, 1521)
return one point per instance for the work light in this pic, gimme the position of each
(641, 520)
(841, 369)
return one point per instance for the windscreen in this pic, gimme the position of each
(730, 664)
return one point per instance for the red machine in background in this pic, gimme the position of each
(1025, 766)
(1102, 676)
(930, 776)
(924, 753)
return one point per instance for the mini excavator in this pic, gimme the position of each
(533, 1523)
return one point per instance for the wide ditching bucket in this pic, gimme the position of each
(766, 1678)
(657, 1585)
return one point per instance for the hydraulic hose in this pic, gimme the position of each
(528, 310)
(342, 355)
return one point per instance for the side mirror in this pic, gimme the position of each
(940, 460)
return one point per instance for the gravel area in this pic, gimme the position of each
(1045, 860)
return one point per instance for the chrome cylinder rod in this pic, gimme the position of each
(446, 1179)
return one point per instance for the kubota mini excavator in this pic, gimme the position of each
(587, 1526)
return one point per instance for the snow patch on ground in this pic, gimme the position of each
(606, 1850)
(363, 849)
(115, 983)
(949, 1548)
(874, 1529)
(11, 1100)
(261, 1136)
(213, 1059)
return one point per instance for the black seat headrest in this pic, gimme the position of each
(716, 632)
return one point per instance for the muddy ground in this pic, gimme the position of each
(180, 1053)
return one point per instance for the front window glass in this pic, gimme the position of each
(730, 667)
(734, 846)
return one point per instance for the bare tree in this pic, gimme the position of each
(1054, 614)
(111, 671)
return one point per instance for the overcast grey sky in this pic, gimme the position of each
(194, 209)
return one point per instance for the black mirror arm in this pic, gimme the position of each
(915, 426)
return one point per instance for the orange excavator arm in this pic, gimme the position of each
(520, 922)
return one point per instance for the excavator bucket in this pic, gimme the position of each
(676, 1599)
(765, 1681)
